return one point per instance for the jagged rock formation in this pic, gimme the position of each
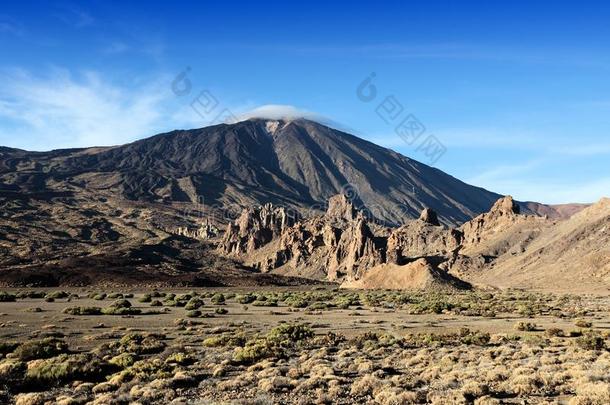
(429, 216)
(332, 246)
(418, 239)
(342, 246)
(204, 232)
(502, 230)
(340, 207)
(339, 245)
(254, 228)
(502, 213)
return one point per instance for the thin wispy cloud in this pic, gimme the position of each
(75, 16)
(10, 26)
(63, 109)
(116, 47)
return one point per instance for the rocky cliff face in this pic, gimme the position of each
(503, 213)
(342, 245)
(337, 244)
(418, 239)
(254, 228)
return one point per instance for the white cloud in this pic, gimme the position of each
(67, 110)
(278, 112)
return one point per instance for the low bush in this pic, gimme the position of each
(591, 341)
(65, 368)
(254, 351)
(40, 349)
(83, 311)
(581, 323)
(286, 335)
(7, 297)
(137, 343)
(193, 303)
(145, 298)
(246, 298)
(525, 326)
(194, 313)
(218, 299)
(57, 295)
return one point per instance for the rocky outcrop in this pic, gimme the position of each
(204, 232)
(429, 216)
(340, 207)
(343, 246)
(355, 252)
(504, 212)
(423, 238)
(338, 246)
(254, 228)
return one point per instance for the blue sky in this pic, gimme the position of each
(517, 92)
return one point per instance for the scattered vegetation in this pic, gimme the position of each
(286, 348)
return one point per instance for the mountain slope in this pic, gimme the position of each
(573, 254)
(297, 163)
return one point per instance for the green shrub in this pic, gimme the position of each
(193, 303)
(286, 335)
(265, 303)
(195, 313)
(40, 349)
(121, 311)
(218, 299)
(65, 368)
(156, 303)
(226, 339)
(7, 297)
(254, 351)
(221, 311)
(138, 343)
(145, 298)
(296, 301)
(591, 341)
(57, 295)
(83, 311)
(30, 294)
(317, 306)
(478, 338)
(525, 326)
(121, 304)
(246, 299)
(121, 307)
(123, 360)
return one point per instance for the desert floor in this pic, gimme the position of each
(202, 346)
